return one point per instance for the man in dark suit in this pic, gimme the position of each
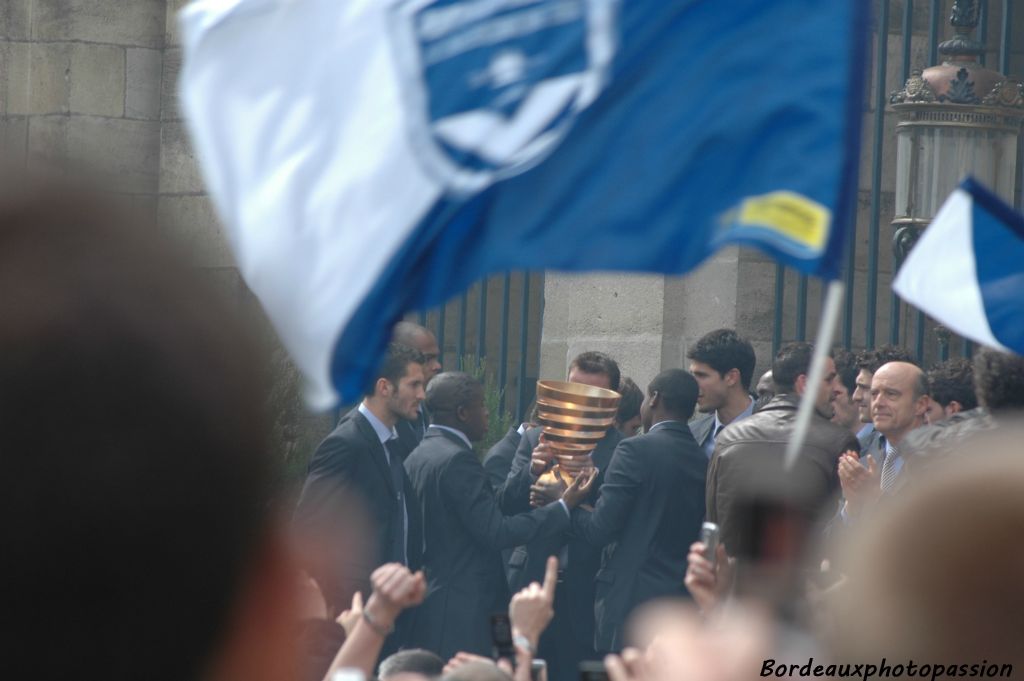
(650, 509)
(411, 431)
(570, 636)
(356, 486)
(498, 460)
(464, 529)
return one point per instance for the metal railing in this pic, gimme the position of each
(497, 321)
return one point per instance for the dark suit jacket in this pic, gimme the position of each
(528, 562)
(465, 532)
(349, 485)
(498, 461)
(650, 511)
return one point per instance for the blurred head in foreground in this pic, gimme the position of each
(135, 518)
(935, 575)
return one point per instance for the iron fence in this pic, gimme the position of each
(900, 26)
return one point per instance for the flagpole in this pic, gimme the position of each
(822, 345)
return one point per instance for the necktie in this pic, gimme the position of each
(889, 469)
(399, 538)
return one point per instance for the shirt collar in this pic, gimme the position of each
(742, 415)
(662, 423)
(383, 432)
(866, 430)
(455, 431)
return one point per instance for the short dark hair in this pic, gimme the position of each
(406, 332)
(593, 362)
(872, 360)
(632, 398)
(154, 484)
(999, 379)
(395, 365)
(846, 368)
(724, 350)
(953, 381)
(416, 661)
(677, 390)
(791, 361)
(451, 390)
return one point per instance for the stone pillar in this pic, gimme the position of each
(185, 210)
(622, 315)
(80, 91)
(648, 322)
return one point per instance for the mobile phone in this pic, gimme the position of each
(593, 670)
(709, 537)
(501, 636)
(538, 669)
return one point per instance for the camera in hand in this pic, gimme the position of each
(593, 670)
(501, 637)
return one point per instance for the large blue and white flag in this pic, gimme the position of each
(369, 157)
(967, 269)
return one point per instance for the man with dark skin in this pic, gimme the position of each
(465, 530)
(650, 511)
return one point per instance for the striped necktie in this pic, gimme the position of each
(889, 468)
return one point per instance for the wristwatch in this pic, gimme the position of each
(523, 642)
(383, 632)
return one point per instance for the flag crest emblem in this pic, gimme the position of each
(492, 86)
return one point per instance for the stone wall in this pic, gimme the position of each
(90, 86)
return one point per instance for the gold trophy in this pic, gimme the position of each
(574, 417)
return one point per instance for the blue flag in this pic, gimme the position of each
(372, 157)
(967, 270)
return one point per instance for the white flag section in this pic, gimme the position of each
(939, 276)
(328, 157)
(967, 269)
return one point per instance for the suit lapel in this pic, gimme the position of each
(377, 452)
(701, 428)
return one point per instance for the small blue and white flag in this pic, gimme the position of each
(967, 269)
(370, 157)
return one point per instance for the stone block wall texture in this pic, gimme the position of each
(89, 86)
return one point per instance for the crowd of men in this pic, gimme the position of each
(144, 534)
(483, 530)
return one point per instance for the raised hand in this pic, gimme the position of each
(543, 456)
(531, 609)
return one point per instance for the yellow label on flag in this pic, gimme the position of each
(794, 216)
